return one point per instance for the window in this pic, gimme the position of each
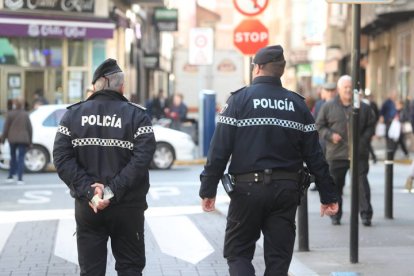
(77, 53)
(53, 119)
(404, 64)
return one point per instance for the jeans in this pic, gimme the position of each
(17, 152)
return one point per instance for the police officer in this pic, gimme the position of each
(103, 149)
(269, 132)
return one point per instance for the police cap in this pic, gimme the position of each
(108, 67)
(329, 86)
(269, 54)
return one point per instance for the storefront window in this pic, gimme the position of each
(31, 52)
(76, 86)
(77, 53)
(98, 53)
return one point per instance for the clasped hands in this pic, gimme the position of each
(100, 203)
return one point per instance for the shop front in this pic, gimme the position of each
(50, 52)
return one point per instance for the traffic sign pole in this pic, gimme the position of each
(356, 48)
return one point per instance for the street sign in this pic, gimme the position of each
(360, 2)
(201, 46)
(250, 7)
(250, 35)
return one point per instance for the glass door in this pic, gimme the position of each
(11, 86)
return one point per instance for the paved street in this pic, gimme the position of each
(37, 226)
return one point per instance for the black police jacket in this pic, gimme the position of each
(265, 126)
(109, 140)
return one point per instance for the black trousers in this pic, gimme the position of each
(338, 170)
(125, 227)
(256, 207)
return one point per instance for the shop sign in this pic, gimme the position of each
(151, 61)
(166, 20)
(86, 6)
(56, 31)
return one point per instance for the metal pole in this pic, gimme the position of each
(389, 164)
(356, 19)
(251, 70)
(303, 228)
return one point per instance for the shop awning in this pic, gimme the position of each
(27, 25)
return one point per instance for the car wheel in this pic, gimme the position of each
(163, 157)
(36, 159)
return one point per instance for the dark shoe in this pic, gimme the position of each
(366, 222)
(335, 221)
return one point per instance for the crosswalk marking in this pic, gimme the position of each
(65, 243)
(5, 230)
(180, 230)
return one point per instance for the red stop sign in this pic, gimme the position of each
(250, 35)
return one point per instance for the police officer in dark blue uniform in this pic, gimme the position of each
(102, 152)
(269, 132)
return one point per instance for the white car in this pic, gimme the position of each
(171, 144)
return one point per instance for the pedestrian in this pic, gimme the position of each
(403, 116)
(38, 98)
(269, 133)
(103, 148)
(177, 111)
(18, 131)
(333, 124)
(368, 99)
(158, 105)
(328, 93)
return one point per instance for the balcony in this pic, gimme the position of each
(378, 18)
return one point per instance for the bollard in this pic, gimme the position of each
(207, 120)
(389, 166)
(303, 227)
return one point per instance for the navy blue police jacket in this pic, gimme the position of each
(265, 126)
(109, 140)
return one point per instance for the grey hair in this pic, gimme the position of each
(344, 78)
(110, 82)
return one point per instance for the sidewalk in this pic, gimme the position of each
(385, 248)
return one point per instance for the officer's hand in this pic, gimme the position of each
(99, 203)
(208, 204)
(329, 209)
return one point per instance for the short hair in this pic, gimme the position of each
(344, 78)
(274, 69)
(110, 82)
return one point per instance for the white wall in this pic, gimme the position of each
(224, 76)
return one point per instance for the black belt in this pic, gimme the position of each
(267, 174)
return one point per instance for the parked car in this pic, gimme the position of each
(171, 144)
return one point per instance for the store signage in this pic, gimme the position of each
(86, 6)
(166, 20)
(56, 31)
(250, 35)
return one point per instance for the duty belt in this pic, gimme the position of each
(266, 176)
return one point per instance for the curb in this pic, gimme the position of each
(190, 162)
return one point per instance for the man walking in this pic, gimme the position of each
(333, 123)
(269, 132)
(102, 152)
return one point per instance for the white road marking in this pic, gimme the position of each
(35, 197)
(158, 192)
(5, 231)
(35, 215)
(65, 243)
(181, 239)
(298, 268)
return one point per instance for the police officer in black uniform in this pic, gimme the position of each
(269, 132)
(102, 152)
